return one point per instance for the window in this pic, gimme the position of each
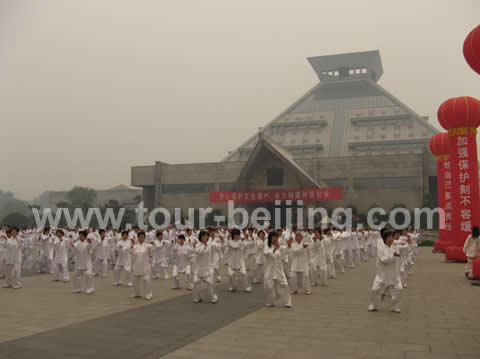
(274, 176)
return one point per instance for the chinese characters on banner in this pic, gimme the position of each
(315, 194)
(445, 193)
(464, 173)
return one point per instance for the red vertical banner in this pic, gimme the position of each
(445, 196)
(439, 147)
(461, 117)
(463, 155)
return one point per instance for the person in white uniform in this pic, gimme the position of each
(203, 273)
(318, 260)
(362, 241)
(3, 239)
(161, 252)
(182, 255)
(124, 261)
(237, 271)
(330, 247)
(219, 243)
(83, 274)
(13, 259)
(260, 257)
(300, 265)
(347, 248)
(387, 275)
(45, 259)
(102, 254)
(338, 254)
(275, 281)
(471, 248)
(61, 246)
(142, 269)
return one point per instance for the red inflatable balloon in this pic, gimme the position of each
(471, 49)
(459, 112)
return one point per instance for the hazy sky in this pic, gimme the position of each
(90, 88)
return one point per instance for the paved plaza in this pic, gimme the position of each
(439, 320)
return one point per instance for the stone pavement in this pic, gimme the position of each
(439, 320)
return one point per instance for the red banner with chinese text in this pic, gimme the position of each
(315, 194)
(464, 172)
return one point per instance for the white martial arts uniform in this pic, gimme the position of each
(274, 280)
(237, 270)
(60, 270)
(471, 248)
(83, 267)
(300, 268)
(401, 247)
(216, 256)
(251, 255)
(347, 249)
(182, 255)
(204, 271)
(45, 260)
(339, 259)
(259, 259)
(355, 248)
(372, 243)
(142, 270)
(387, 277)
(13, 262)
(318, 263)
(330, 247)
(123, 263)
(362, 243)
(160, 255)
(102, 255)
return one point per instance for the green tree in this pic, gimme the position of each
(16, 219)
(82, 197)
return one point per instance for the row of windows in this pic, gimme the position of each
(345, 72)
(195, 188)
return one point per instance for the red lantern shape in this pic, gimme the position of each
(439, 148)
(461, 117)
(471, 49)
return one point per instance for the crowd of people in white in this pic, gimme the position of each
(287, 261)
